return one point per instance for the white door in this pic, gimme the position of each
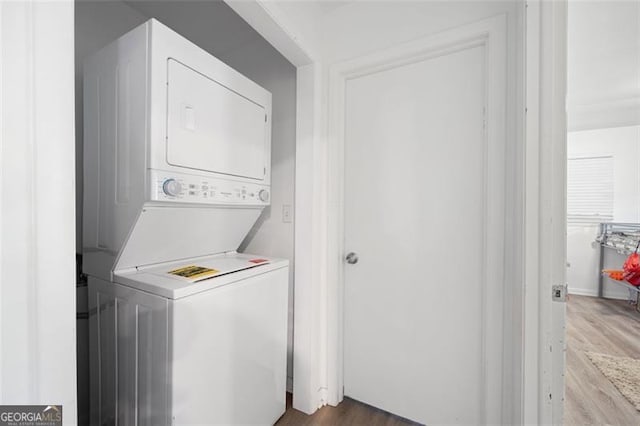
(420, 216)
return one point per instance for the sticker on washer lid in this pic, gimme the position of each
(194, 272)
(258, 260)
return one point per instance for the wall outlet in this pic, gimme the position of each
(286, 213)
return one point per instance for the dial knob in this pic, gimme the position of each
(172, 187)
(263, 195)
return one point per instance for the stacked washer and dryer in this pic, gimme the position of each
(183, 329)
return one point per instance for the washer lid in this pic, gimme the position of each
(193, 271)
(181, 278)
(163, 234)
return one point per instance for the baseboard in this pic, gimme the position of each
(594, 293)
(583, 292)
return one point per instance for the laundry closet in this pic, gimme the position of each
(252, 183)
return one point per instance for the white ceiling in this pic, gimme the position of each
(603, 51)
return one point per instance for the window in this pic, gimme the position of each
(590, 190)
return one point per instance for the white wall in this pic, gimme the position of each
(623, 144)
(358, 28)
(37, 271)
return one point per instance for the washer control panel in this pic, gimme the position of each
(179, 187)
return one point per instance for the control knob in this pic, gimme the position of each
(172, 187)
(263, 195)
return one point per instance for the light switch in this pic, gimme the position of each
(286, 213)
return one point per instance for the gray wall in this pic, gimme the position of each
(213, 26)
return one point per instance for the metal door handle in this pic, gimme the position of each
(352, 258)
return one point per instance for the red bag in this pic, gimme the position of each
(631, 269)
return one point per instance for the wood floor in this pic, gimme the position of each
(349, 412)
(605, 326)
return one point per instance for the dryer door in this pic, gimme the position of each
(213, 128)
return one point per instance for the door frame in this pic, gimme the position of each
(37, 199)
(490, 34)
(545, 167)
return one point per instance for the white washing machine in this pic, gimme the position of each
(183, 330)
(191, 352)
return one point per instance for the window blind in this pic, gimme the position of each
(590, 190)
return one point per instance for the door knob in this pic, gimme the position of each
(352, 258)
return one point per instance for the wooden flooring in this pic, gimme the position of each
(349, 412)
(605, 326)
